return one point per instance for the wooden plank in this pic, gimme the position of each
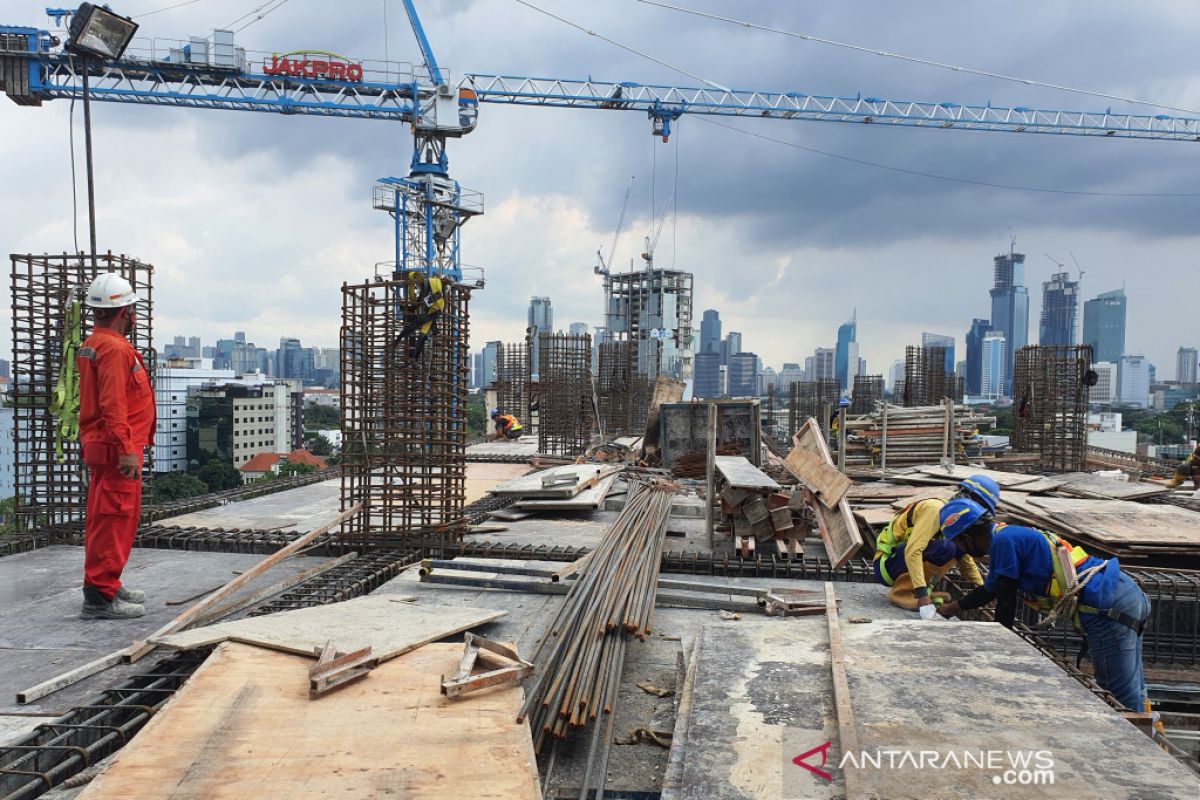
(271, 591)
(1087, 484)
(243, 726)
(72, 677)
(139, 649)
(587, 500)
(1118, 522)
(739, 473)
(829, 484)
(530, 486)
(958, 472)
(847, 731)
(839, 531)
(389, 623)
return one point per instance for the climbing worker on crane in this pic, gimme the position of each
(424, 303)
(911, 553)
(507, 425)
(116, 422)
(1061, 582)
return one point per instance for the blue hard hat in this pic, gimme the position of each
(845, 401)
(982, 490)
(495, 413)
(958, 515)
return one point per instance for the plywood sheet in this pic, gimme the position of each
(810, 467)
(484, 476)
(243, 726)
(741, 474)
(1120, 523)
(839, 530)
(587, 500)
(959, 472)
(390, 624)
(586, 475)
(1088, 484)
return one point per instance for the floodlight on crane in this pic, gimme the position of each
(98, 32)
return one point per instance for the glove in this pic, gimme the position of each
(928, 611)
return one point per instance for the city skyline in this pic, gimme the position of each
(276, 214)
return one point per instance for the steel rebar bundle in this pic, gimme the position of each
(579, 661)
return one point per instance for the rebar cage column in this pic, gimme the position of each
(50, 492)
(404, 414)
(565, 401)
(512, 380)
(616, 388)
(1050, 404)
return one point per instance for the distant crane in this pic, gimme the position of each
(1077, 267)
(603, 266)
(1057, 263)
(655, 232)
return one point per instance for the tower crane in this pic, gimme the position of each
(656, 232)
(604, 266)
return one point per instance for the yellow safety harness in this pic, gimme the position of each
(1061, 597)
(64, 405)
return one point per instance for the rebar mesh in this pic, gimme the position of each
(1050, 404)
(565, 396)
(616, 383)
(51, 491)
(868, 390)
(926, 381)
(811, 399)
(512, 379)
(404, 413)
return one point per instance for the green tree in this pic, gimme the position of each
(317, 416)
(288, 470)
(219, 475)
(318, 444)
(176, 486)
(476, 415)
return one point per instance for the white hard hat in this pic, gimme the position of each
(110, 290)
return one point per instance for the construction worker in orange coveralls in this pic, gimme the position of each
(116, 422)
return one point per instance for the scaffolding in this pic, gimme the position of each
(512, 379)
(404, 413)
(1050, 404)
(926, 380)
(868, 390)
(565, 413)
(51, 490)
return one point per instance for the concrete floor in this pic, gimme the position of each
(42, 636)
(305, 508)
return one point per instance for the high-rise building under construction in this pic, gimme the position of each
(1060, 306)
(653, 308)
(1010, 308)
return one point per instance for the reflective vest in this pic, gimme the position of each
(1061, 553)
(508, 422)
(889, 539)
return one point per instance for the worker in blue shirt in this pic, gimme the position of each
(1060, 581)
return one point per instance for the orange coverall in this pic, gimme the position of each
(116, 417)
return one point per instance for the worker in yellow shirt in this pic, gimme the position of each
(911, 553)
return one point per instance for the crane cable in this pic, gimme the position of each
(916, 60)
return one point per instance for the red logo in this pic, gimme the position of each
(328, 65)
(820, 773)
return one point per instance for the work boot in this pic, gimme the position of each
(97, 606)
(901, 594)
(131, 595)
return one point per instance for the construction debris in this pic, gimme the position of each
(334, 668)
(894, 436)
(506, 666)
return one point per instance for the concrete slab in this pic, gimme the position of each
(525, 446)
(764, 696)
(41, 635)
(305, 508)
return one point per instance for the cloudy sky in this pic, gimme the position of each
(255, 220)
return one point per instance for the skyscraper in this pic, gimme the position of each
(823, 364)
(707, 374)
(488, 376)
(1105, 390)
(1010, 308)
(541, 320)
(731, 344)
(710, 332)
(1060, 305)
(1133, 382)
(993, 378)
(1185, 366)
(847, 333)
(979, 329)
(1104, 326)
(944, 342)
(743, 375)
(578, 328)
